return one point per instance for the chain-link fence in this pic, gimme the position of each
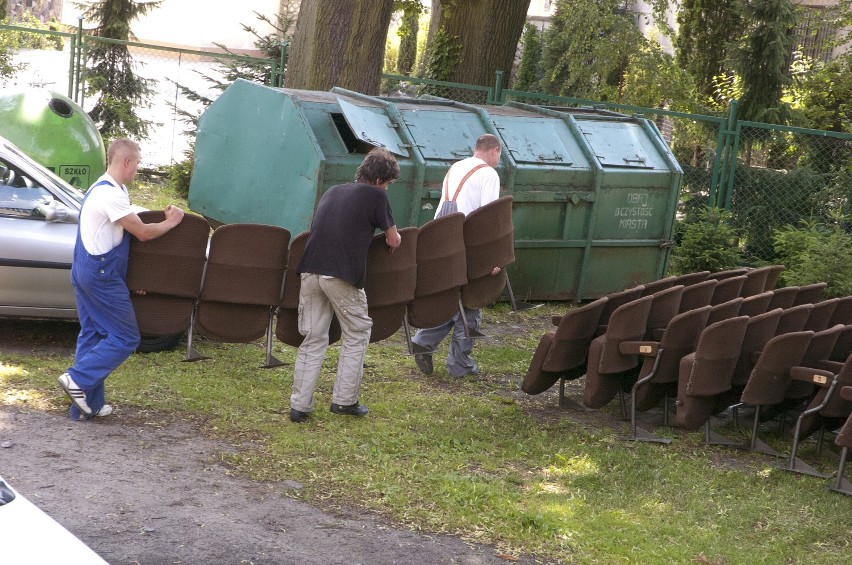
(784, 177)
(398, 86)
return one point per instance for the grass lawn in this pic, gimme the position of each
(479, 458)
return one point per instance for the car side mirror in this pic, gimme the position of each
(55, 211)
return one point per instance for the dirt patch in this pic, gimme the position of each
(142, 491)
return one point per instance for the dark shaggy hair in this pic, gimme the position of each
(378, 167)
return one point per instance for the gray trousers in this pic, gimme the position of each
(319, 298)
(459, 361)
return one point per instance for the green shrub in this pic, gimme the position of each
(707, 244)
(180, 174)
(816, 253)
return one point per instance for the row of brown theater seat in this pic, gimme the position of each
(760, 359)
(231, 292)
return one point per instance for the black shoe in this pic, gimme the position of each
(351, 410)
(424, 363)
(298, 416)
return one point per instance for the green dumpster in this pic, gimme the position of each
(56, 132)
(594, 192)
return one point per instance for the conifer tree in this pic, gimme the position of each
(111, 76)
(528, 69)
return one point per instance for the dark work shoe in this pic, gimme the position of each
(350, 410)
(298, 416)
(424, 363)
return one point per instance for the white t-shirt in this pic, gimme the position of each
(105, 205)
(482, 187)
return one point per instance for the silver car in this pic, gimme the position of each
(38, 228)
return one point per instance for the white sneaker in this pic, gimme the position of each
(75, 393)
(105, 410)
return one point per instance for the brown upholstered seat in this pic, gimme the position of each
(821, 315)
(772, 277)
(727, 289)
(697, 295)
(242, 284)
(810, 293)
(562, 352)
(656, 286)
(706, 373)
(755, 282)
(783, 297)
(768, 382)
(844, 440)
(489, 242)
(818, 352)
(843, 345)
(722, 275)
(609, 370)
(793, 319)
(759, 330)
(664, 307)
(169, 269)
(658, 375)
(843, 312)
(391, 278)
(441, 271)
(689, 279)
(725, 310)
(616, 300)
(287, 326)
(756, 304)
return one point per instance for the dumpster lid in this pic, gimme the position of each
(372, 128)
(535, 140)
(616, 144)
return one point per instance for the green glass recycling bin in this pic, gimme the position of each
(54, 131)
(594, 192)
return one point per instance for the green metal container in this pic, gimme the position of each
(594, 192)
(56, 132)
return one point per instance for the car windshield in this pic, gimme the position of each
(66, 188)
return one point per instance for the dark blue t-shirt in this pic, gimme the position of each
(344, 223)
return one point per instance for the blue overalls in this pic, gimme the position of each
(108, 330)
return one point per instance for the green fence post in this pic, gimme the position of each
(78, 71)
(718, 193)
(497, 94)
(735, 132)
(282, 62)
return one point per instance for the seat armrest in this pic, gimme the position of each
(846, 393)
(645, 348)
(816, 377)
(826, 365)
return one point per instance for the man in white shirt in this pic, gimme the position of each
(471, 183)
(108, 329)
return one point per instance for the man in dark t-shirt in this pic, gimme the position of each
(332, 270)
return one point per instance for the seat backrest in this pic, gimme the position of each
(755, 282)
(843, 312)
(722, 275)
(843, 345)
(689, 279)
(759, 331)
(756, 304)
(627, 323)
(617, 299)
(767, 384)
(810, 293)
(441, 271)
(772, 277)
(783, 297)
(697, 295)
(793, 319)
(657, 285)
(680, 338)
(725, 310)
(821, 346)
(727, 289)
(572, 337)
(390, 282)
(489, 238)
(663, 309)
(821, 315)
(715, 357)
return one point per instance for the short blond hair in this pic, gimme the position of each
(122, 147)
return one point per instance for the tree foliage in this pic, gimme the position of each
(408, 30)
(707, 30)
(529, 69)
(762, 60)
(111, 78)
(587, 47)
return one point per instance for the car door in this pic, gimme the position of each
(36, 244)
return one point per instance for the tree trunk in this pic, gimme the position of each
(339, 43)
(488, 31)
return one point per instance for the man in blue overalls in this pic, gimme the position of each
(108, 329)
